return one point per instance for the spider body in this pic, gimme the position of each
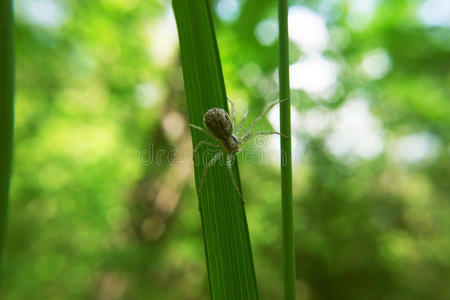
(222, 128)
(219, 124)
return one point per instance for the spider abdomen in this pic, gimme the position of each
(218, 122)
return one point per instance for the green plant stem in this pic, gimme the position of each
(6, 110)
(227, 244)
(286, 155)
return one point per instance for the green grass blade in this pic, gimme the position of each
(227, 244)
(286, 155)
(6, 110)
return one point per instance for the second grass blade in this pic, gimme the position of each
(227, 244)
(6, 109)
(286, 155)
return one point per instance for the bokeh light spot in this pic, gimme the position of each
(46, 13)
(356, 131)
(416, 148)
(435, 12)
(228, 10)
(376, 64)
(266, 32)
(307, 29)
(316, 75)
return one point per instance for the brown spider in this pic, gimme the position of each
(220, 127)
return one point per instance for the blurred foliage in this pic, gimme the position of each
(99, 93)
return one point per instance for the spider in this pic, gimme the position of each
(223, 130)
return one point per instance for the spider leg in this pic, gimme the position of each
(245, 138)
(229, 163)
(205, 170)
(233, 113)
(204, 143)
(241, 123)
(261, 116)
(202, 130)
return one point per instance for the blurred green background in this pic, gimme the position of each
(95, 213)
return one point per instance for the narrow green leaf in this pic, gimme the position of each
(6, 110)
(227, 244)
(286, 155)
